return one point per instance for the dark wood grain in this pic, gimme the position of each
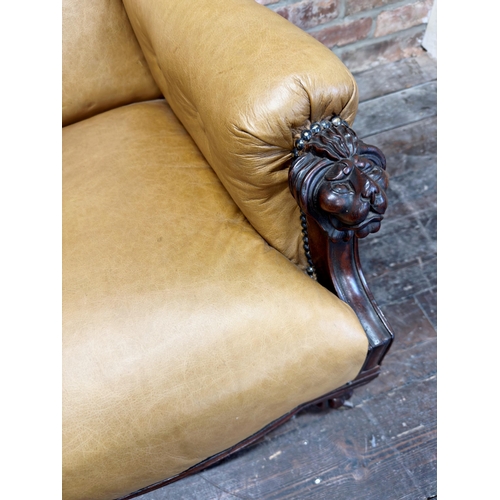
(340, 184)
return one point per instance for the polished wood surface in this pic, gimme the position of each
(340, 184)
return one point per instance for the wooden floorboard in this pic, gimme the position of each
(396, 109)
(396, 76)
(409, 147)
(384, 446)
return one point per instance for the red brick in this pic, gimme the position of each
(354, 6)
(402, 18)
(343, 34)
(310, 13)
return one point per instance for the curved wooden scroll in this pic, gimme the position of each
(339, 183)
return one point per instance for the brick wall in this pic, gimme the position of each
(363, 33)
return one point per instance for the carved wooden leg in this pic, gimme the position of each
(336, 402)
(339, 183)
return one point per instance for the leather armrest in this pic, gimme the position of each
(243, 81)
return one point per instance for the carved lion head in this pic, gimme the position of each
(341, 182)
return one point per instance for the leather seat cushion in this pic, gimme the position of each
(184, 332)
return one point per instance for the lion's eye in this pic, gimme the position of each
(363, 163)
(342, 188)
(377, 174)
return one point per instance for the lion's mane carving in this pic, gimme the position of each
(340, 181)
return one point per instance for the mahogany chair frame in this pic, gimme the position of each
(339, 183)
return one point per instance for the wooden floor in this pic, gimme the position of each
(384, 446)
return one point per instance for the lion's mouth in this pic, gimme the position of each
(367, 221)
(361, 225)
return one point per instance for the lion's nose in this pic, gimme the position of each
(376, 195)
(370, 190)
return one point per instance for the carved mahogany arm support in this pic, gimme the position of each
(339, 183)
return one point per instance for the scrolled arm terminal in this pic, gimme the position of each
(339, 180)
(340, 184)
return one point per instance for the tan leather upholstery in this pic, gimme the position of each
(184, 331)
(243, 80)
(103, 65)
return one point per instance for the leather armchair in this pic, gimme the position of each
(213, 194)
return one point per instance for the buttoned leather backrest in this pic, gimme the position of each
(103, 65)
